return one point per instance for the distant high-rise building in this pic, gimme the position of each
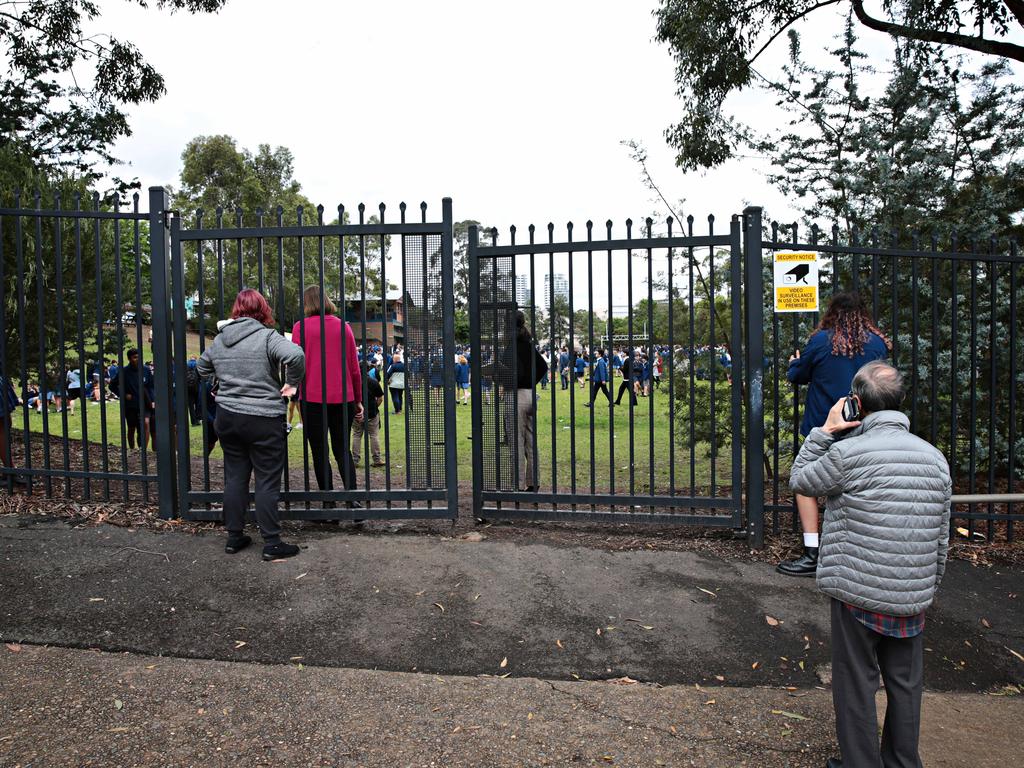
(523, 295)
(561, 288)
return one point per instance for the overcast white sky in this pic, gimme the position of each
(514, 110)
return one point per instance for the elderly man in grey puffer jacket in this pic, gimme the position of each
(883, 553)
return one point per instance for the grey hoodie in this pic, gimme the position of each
(246, 358)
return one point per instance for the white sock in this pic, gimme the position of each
(811, 540)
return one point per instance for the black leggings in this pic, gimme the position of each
(339, 430)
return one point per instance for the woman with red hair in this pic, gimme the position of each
(246, 359)
(845, 339)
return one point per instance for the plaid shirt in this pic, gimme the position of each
(890, 626)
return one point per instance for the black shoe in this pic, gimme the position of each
(279, 551)
(588, 405)
(834, 762)
(236, 544)
(805, 565)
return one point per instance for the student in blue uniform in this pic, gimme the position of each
(580, 366)
(599, 379)
(462, 379)
(845, 340)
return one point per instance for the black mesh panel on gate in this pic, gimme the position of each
(424, 362)
(497, 359)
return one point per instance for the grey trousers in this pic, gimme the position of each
(372, 428)
(858, 654)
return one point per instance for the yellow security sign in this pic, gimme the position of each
(796, 281)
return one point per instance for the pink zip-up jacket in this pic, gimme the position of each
(338, 390)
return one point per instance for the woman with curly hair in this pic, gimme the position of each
(845, 339)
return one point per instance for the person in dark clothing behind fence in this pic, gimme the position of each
(530, 369)
(371, 421)
(599, 380)
(627, 378)
(126, 386)
(246, 359)
(8, 403)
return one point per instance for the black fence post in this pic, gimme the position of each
(159, 251)
(476, 368)
(753, 285)
(451, 464)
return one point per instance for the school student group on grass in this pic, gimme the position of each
(879, 553)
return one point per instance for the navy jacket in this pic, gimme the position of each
(600, 371)
(828, 375)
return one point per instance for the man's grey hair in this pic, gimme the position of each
(879, 386)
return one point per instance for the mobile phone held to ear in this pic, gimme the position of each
(851, 408)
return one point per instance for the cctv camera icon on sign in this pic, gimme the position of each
(797, 274)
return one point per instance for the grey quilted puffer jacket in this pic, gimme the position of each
(886, 529)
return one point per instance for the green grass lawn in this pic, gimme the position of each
(561, 436)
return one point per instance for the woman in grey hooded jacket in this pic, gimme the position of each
(246, 359)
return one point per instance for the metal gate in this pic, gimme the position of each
(397, 297)
(669, 448)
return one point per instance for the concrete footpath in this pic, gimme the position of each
(448, 611)
(61, 707)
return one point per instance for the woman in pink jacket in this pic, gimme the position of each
(332, 391)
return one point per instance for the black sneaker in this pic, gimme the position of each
(236, 544)
(279, 551)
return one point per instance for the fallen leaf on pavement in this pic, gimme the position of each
(301, 575)
(755, 665)
(421, 593)
(790, 715)
(1014, 653)
(624, 680)
(559, 643)
(638, 623)
(772, 621)
(296, 658)
(985, 624)
(709, 701)
(719, 678)
(504, 662)
(151, 666)
(239, 644)
(438, 605)
(118, 704)
(707, 591)
(13, 647)
(97, 599)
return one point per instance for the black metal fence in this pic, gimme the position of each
(396, 296)
(637, 420)
(950, 310)
(705, 429)
(76, 293)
